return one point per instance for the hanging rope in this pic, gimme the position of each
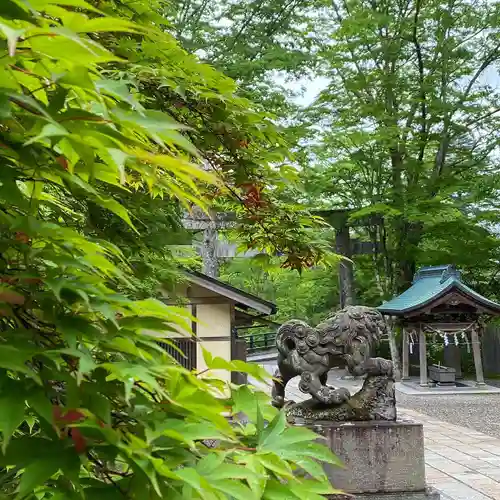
(411, 339)
(412, 336)
(445, 335)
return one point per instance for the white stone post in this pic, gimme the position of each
(209, 246)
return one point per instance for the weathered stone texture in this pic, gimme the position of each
(347, 337)
(375, 401)
(379, 457)
(428, 494)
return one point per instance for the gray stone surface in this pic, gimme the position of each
(375, 401)
(378, 456)
(428, 494)
(475, 411)
(412, 387)
(344, 338)
(462, 464)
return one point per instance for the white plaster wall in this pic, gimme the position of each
(214, 320)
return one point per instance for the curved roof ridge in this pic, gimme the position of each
(432, 283)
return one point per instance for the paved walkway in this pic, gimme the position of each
(462, 463)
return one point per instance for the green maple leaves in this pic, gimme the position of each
(92, 406)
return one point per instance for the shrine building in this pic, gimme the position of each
(439, 306)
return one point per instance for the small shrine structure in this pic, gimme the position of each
(440, 304)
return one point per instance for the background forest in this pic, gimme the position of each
(392, 110)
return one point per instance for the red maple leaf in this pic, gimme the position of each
(70, 416)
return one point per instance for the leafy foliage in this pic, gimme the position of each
(237, 140)
(92, 406)
(404, 129)
(252, 42)
(310, 295)
(407, 125)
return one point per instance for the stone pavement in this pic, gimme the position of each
(463, 464)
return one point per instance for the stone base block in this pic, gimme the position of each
(379, 457)
(375, 401)
(428, 494)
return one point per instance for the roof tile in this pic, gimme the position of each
(429, 284)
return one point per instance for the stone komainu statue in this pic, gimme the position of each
(345, 338)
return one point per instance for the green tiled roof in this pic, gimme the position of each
(429, 284)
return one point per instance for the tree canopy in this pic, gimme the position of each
(409, 119)
(403, 126)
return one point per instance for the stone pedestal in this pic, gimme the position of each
(383, 460)
(375, 401)
(428, 494)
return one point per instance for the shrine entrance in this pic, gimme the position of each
(439, 307)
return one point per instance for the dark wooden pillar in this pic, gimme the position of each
(346, 273)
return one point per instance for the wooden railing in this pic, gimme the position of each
(187, 358)
(258, 342)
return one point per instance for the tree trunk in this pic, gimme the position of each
(393, 346)
(409, 240)
(406, 271)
